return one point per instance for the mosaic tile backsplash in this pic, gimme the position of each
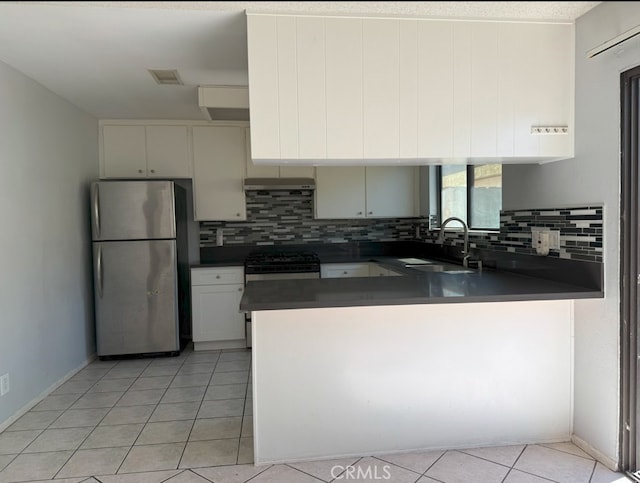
(580, 232)
(286, 217)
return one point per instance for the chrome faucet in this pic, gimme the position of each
(465, 250)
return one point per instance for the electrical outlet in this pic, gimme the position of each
(4, 384)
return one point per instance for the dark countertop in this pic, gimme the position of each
(412, 288)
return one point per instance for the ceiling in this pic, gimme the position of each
(96, 54)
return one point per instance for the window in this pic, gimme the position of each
(472, 193)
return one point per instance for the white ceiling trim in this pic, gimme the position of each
(553, 11)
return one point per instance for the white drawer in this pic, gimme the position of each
(217, 276)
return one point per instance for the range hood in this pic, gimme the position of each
(224, 103)
(273, 184)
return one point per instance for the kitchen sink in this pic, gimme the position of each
(414, 261)
(427, 268)
(444, 268)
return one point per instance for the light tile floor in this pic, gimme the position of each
(187, 419)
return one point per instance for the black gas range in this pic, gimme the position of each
(279, 265)
(295, 264)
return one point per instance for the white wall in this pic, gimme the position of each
(48, 153)
(591, 178)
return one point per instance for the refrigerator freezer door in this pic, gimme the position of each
(132, 210)
(136, 297)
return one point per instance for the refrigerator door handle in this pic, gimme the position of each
(99, 270)
(96, 209)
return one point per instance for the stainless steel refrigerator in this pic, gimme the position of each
(140, 268)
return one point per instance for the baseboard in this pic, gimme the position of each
(599, 456)
(27, 407)
(220, 345)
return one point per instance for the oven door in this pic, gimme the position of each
(281, 276)
(271, 276)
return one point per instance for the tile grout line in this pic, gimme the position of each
(244, 410)
(544, 445)
(433, 464)
(343, 471)
(101, 419)
(513, 467)
(150, 415)
(195, 417)
(379, 458)
(94, 427)
(593, 471)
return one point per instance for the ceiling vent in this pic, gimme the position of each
(224, 103)
(166, 77)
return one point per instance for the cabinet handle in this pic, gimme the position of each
(237, 214)
(153, 170)
(240, 289)
(139, 171)
(359, 212)
(218, 276)
(344, 273)
(371, 212)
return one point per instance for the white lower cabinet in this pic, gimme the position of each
(376, 270)
(346, 270)
(215, 299)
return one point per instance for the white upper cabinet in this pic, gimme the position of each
(343, 71)
(311, 86)
(263, 79)
(366, 192)
(269, 171)
(348, 90)
(218, 171)
(123, 152)
(167, 151)
(340, 192)
(435, 92)
(391, 191)
(381, 91)
(145, 151)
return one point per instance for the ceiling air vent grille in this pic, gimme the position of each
(166, 77)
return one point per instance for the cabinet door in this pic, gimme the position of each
(263, 86)
(408, 85)
(435, 84)
(340, 192)
(555, 109)
(287, 86)
(259, 171)
(343, 68)
(167, 152)
(380, 39)
(484, 89)
(216, 313)
(218, 168)
(525, 67)
(376, 270)
(123, 150)
(390, 191)
(312, 107)
(344, 270)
